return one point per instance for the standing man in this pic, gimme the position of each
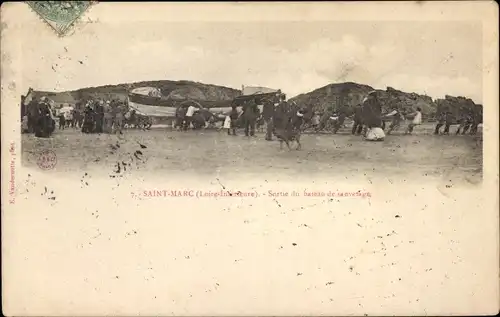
(180, 114)
(62, 118)
(465, 122)
(250, 114)
(118, 117)
(189, 116)
(234, 118)
(43, 125)
(73, 122)
(99, 116)
(88, 120)
(476, 119)
(441, 119)
(33, 112)
(340, 121)
(357, 127)
(68, 116)
(78, 117)
(372, 112)
(108, 117)
(268, 114)
(280, 118)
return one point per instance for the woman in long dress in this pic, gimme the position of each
(88, 120)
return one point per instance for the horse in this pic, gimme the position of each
(289, 129)
(288, 133)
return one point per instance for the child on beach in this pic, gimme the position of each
(227, 124)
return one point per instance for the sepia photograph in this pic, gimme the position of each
(249, 158)
(238, 97)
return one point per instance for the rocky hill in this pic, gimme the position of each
(408, 102)
(458, 105)
(335, 95)
(177, 90)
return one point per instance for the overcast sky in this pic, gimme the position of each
(434, 58)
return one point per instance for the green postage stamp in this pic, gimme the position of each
(60, 15)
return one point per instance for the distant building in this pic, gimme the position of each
(253, 90)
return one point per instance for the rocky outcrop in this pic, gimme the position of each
(333, 96)
(456, 105)
(407, 102)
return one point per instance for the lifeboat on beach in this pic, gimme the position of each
(148, 101)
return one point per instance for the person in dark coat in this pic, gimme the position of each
(44, 123)
(357, 127)
(62, 121)
(268, 114)
(341, 119)
(180, 113)
(108, 118)
(88, 120)
(78, 118)
(372, 111)
(74, 118)
(290, 127)
(234, 117)
(250, 114)
(99, 117)
(441, 119)
(477, 118)
(281, 113)
(33, 112)
(465, 122)
(118, 117)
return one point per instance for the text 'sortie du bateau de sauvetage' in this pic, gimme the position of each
(150, 193)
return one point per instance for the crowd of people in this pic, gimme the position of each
(94, 116)
(288, 116)
(468, 121)
(386, 123)
(368, 118)
(276, 114)
(111, 116)
(101, 116)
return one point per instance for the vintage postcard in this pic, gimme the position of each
(205, 159)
